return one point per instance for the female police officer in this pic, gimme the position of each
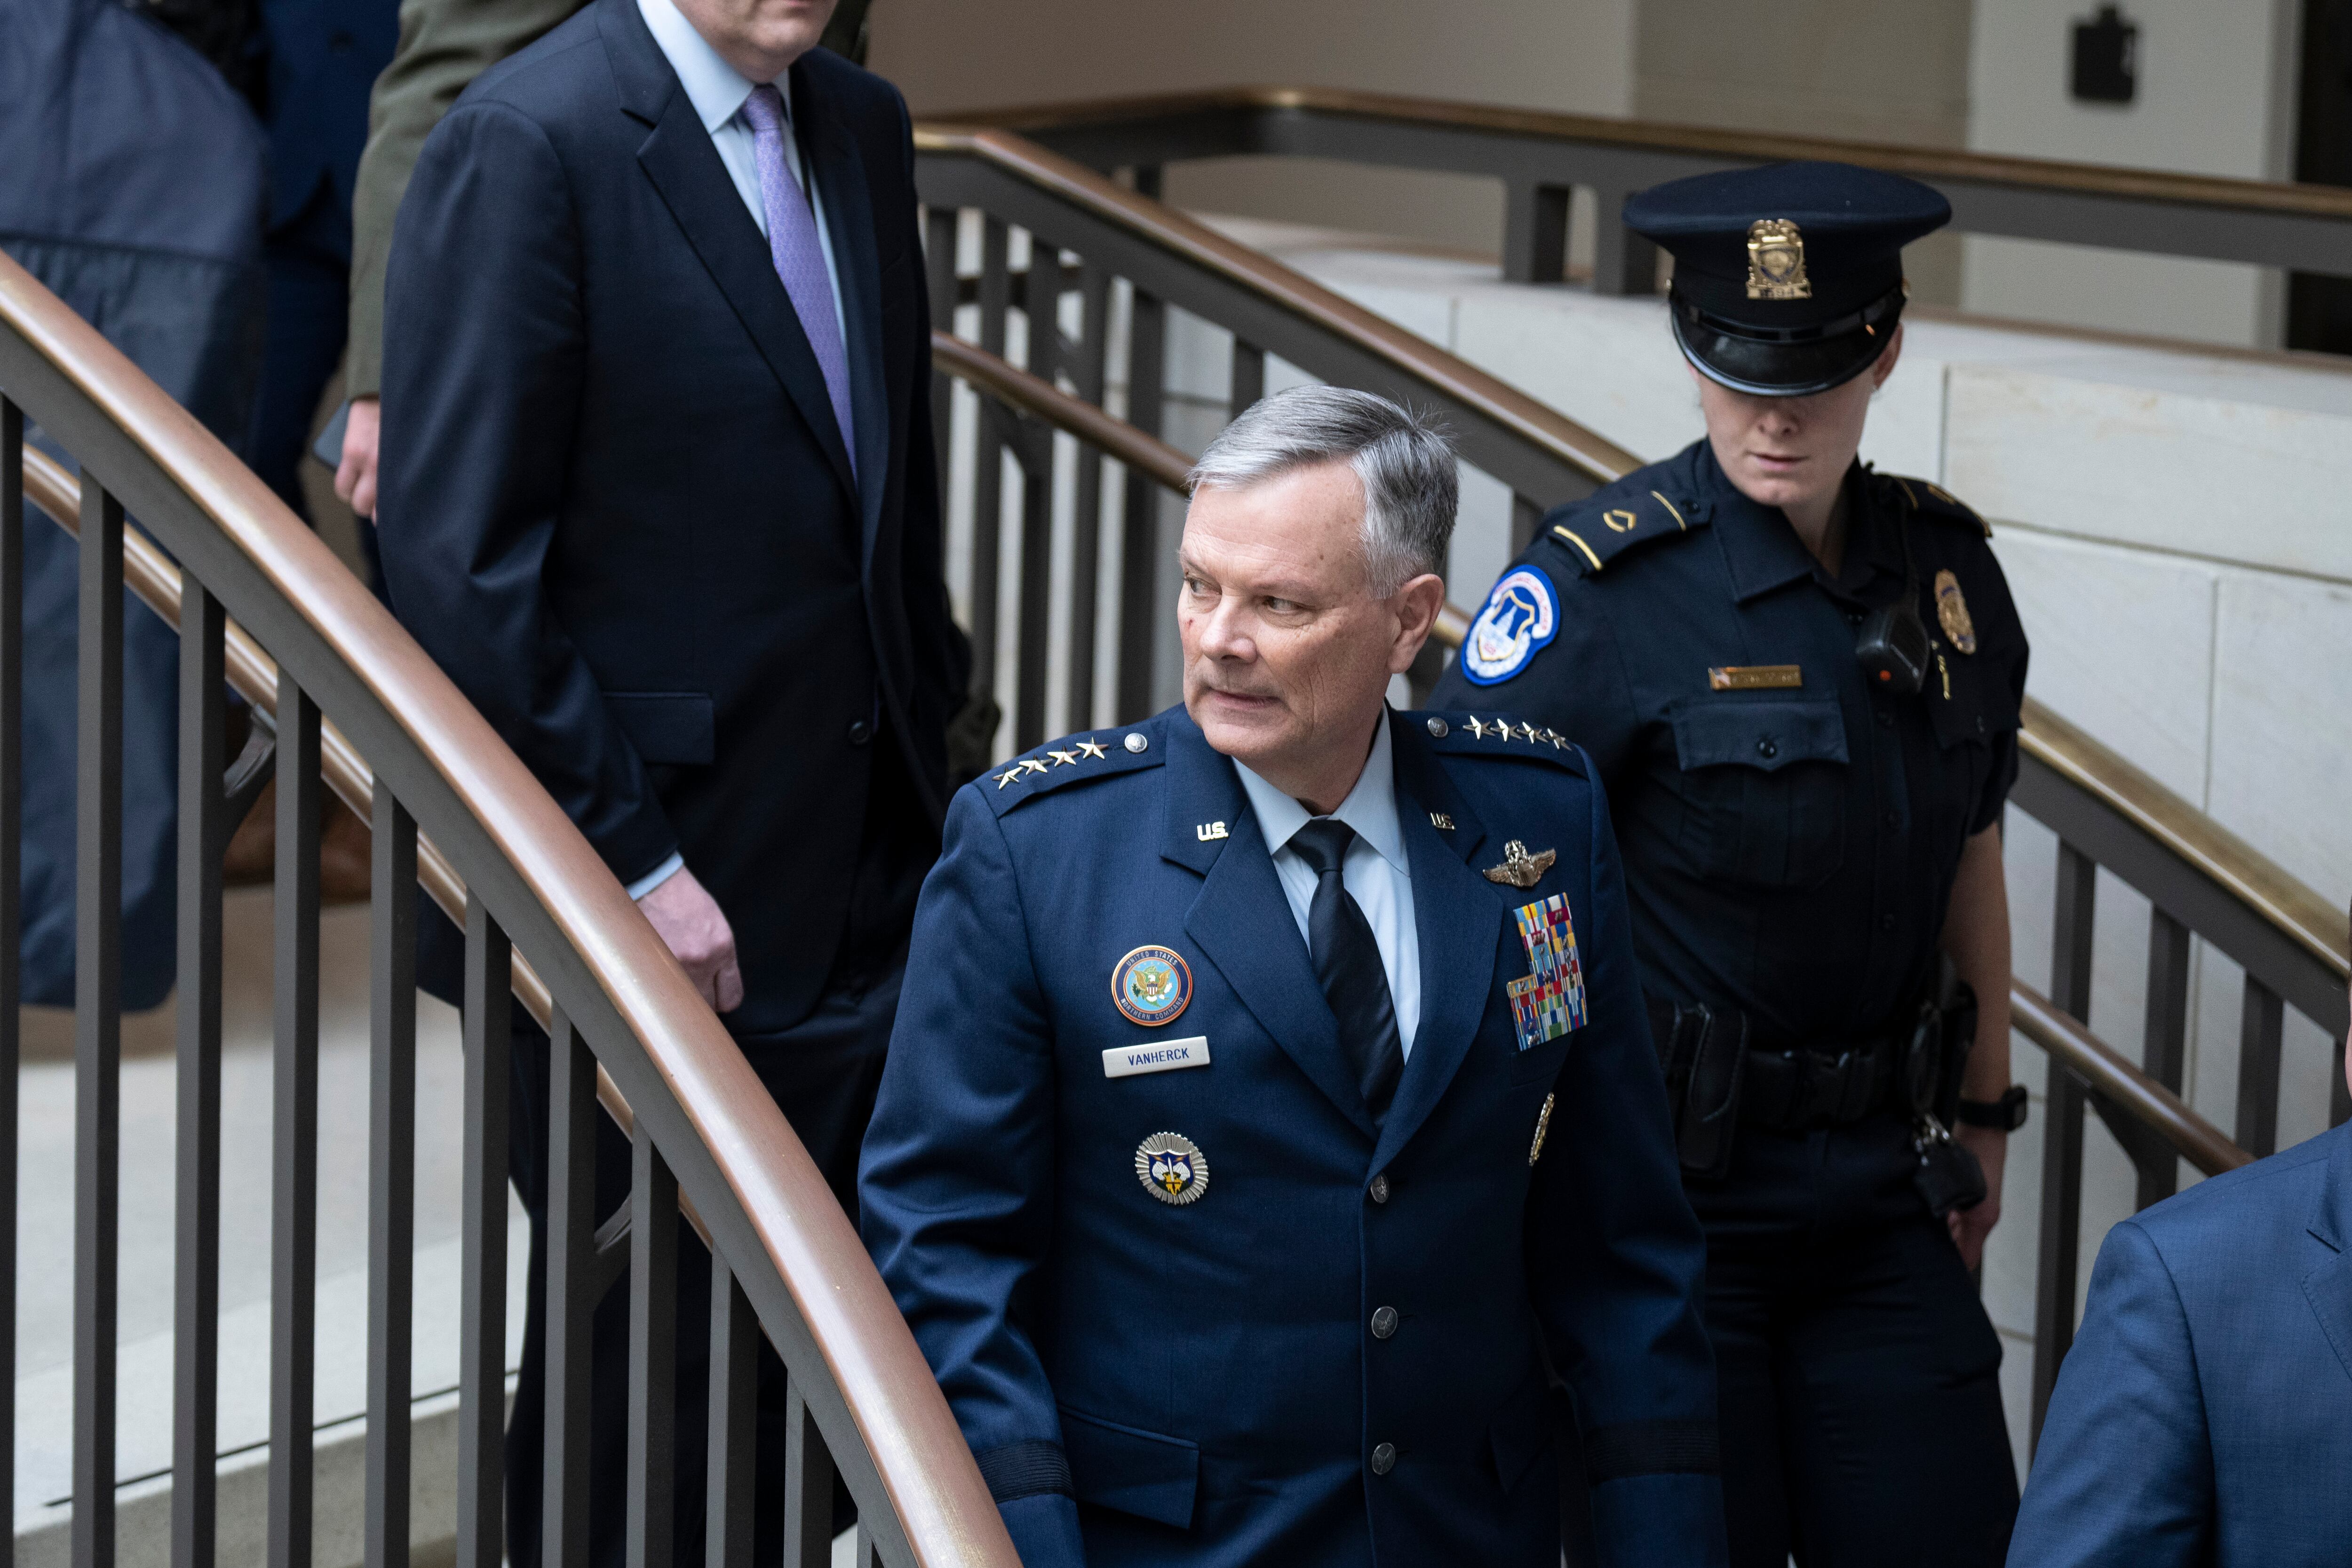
(1800, 681)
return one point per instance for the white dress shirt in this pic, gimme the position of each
(717, 91)
(1375, 871)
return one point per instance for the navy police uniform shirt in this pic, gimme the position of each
(1190, 1302)
(1790, 835)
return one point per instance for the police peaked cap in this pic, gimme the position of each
(1788, 278)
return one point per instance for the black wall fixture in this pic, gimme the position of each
(2106, 58)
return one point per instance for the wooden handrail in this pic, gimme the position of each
(1539, 426)
(257, 548)
(2113, 1077)
(1747, 146)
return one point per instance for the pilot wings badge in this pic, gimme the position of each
(1519, 869)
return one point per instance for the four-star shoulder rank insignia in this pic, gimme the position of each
(1091, 747)
(1519, 869)
(1063, 759)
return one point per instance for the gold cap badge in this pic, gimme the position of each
(1776, 261)
(1952, 611)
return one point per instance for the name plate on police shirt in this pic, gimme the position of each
(1158, 1056)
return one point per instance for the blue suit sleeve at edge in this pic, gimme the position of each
(1659, 1522)
(1045, 1530)
(2123, 1477)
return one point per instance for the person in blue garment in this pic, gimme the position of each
(321, 61)
(1270, 1104)
(1798, 680)
(132, 188)
(2203, 1418)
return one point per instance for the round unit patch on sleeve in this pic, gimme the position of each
(1520, 615)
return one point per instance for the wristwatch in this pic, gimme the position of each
(2007, 1113)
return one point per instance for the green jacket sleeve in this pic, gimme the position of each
(444, 45)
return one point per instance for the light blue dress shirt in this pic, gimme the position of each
(1374, 873)
(716, 90)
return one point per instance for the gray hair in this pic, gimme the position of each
(1403, 460)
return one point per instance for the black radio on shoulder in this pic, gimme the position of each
(1892, 648)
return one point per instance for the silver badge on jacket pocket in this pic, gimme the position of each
(1158, 1056)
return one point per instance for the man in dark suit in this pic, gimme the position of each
(658, 493)
(2204, 1417)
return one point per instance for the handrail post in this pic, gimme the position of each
(12, 812)
(1535, 232)
(2061, 1160)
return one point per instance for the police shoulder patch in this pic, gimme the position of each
(1931, 501)
(1594, 531)
(1520, 615)
(1074, 759)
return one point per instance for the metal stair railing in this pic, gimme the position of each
(1540, 158)
(354, 703)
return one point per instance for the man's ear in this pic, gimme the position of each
(1886, 358)
(1416, 605)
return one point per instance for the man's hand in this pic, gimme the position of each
(690, 921)
(355, 475)
(1970, 1226)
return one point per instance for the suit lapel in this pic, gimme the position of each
(840, 174)
(1458, 919)
(686, 169)
(2329, 1287)
(1242, 921)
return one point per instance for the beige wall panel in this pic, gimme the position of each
(2281, 714)
(1869, 71)
(2101, 445)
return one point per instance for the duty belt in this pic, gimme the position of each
(1789, 1091)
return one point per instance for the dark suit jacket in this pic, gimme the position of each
(615, 505)
(1212, 1384)
(2204, 1416)
(324, 56)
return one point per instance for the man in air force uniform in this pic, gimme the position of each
(1271, 1101)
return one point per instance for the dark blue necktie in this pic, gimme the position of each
(1348, 963)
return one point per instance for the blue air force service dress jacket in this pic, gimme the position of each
(1190, 1304)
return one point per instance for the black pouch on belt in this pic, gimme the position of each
(1935, 1056)
(1704, 1051)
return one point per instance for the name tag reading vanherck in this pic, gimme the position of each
(1158, 1056)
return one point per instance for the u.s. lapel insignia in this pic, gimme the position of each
(1151, 985)
(1952, 612)
(1209, 832)
(1519, 869)
(1776, 261)
(1543, 1125)
(1172, 1168)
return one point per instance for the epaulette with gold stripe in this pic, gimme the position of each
(1595, 532)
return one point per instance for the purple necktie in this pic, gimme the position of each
(798, 254)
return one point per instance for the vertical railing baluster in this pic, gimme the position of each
(2261, 1025)
(1087, 376)
(294, 1129)
(939, 269)
(1526, 516)
(196, 1335)
(1248, 378)
(12, 815)
(98, 1020)
(652, 1355)
(1041, 298)
(392, 1174)
(734, 1419)
(988, 465)
(1138, 595)
(2062, 1158)
(2164, 1051)
(570, 1309)
(808, 1487)
(482, 1274)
